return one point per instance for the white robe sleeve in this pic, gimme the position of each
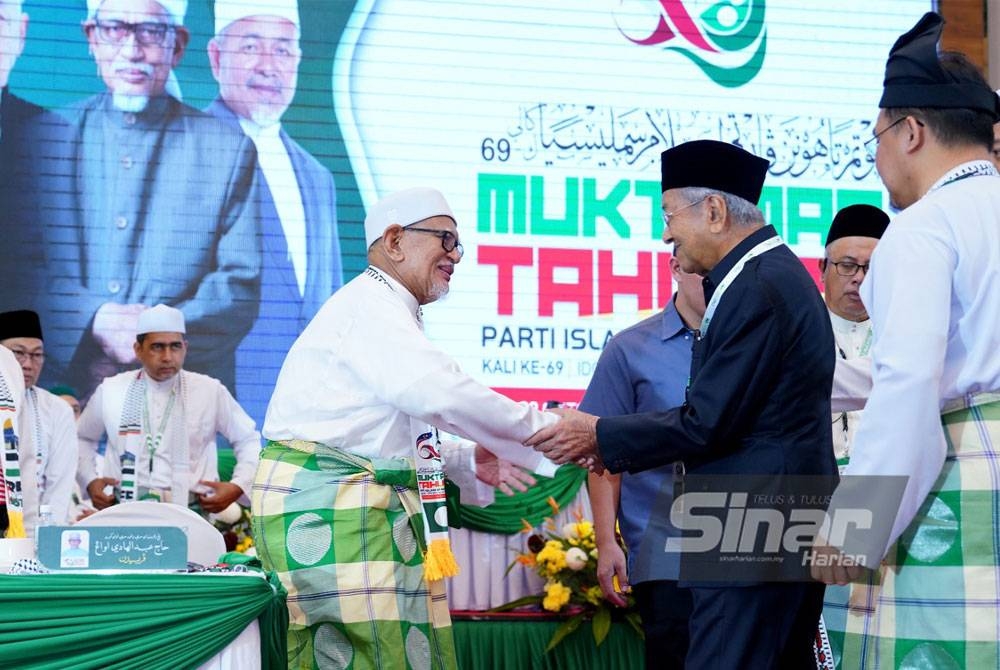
(89, 430)
(426, 383)
(62, 462)
(901, 433)
(460, 464)
(233, 423)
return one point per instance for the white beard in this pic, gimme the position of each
(265, 117)
(129, 103)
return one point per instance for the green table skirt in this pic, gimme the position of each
(148, 621)
(520, 645)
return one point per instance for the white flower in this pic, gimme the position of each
(229, 515)
(569, 531)
(576, 558)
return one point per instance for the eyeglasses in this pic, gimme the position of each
(23, 356)
(448, 240)
(147, 33)
(849, 268)
(668, 215)
(871, 144)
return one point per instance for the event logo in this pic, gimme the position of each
(726, 39)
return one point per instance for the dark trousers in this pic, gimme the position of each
(766, 627)
(665, 609)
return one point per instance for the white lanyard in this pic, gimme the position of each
(153, 441)
(971, 169)
(734, 272)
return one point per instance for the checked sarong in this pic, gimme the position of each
(935, 601)
(345, 536)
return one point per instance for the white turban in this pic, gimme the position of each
(176, 8)
(404, 208)
(160, 319)
(230, 11)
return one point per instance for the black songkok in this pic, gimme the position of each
(715, 165)
(858, 221)
(914, 76)
(20, 323)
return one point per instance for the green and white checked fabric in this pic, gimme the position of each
(344, 534)
(934, 603)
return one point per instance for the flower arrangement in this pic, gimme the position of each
(234, 523)
(567, 559)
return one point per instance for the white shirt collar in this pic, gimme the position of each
(842, 325)
(412, 305)
(257, 132)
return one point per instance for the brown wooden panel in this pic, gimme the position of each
(965, 28)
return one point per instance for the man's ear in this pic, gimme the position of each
(136, 347)
(182, 36)
(715, 206)
(917, 134)
(392, 239)
(214, 56)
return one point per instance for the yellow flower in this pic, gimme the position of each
(584, 530)
(551, 558)
(556, 595)
(593, 595)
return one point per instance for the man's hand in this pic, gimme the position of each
(574, 438)
(222, 495)
(95, 489)
(828, 565)
(611, 563)
(500, 473)
(114, 329)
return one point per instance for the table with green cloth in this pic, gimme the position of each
(150, 621)
(513, 641)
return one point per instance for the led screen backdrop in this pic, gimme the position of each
(541, 122)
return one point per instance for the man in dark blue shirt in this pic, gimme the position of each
(645, 368)
(758, 401)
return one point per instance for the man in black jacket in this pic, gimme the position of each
(758, 402)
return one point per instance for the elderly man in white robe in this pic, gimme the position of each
(161, 424)
(47, 416)
(349, 500)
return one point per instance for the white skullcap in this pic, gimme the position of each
(160, 319)
(404, 208)
(176, 8)
(230, 11)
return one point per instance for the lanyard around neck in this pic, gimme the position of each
(153, 441)
(734, 272)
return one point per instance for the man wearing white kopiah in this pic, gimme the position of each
(161, 423)
(349, 501)
(255, 57)
(934, 298)
(49, 419)
(168, 207)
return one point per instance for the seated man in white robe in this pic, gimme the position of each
(48, 417)
(161, 423)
